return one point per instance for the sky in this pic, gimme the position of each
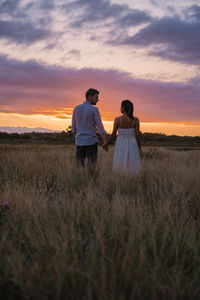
(147, 51)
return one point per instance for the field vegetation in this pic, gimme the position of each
(91, 234)
(66, 137)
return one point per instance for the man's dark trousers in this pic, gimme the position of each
(89, 151)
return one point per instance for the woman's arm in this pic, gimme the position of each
(113, 134)
(137, 133)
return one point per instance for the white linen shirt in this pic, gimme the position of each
(86, 118)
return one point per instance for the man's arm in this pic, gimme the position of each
(113, 134)
(103, 136)
(99, 125)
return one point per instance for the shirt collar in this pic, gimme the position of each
(87, 102)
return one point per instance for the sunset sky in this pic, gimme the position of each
(148, 51)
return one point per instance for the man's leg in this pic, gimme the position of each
(91, 153)
(80, 156)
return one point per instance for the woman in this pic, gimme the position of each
(127, 147)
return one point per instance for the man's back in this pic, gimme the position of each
(85, 119)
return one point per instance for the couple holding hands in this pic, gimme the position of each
(86, 119)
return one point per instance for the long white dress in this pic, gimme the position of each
(126, 154)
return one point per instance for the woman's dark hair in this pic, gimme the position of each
(128, 108)
(91, 92)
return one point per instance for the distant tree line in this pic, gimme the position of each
(158, 139)
(62, 137)
(66, 137)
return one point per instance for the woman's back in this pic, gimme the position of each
(126, 155)
(125, 122)
(127, 146)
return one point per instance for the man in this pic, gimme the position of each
(86, 118)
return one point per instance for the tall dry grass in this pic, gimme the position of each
(76, 235)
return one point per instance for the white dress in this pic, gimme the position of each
(126, 154)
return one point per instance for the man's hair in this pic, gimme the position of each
(91, 92)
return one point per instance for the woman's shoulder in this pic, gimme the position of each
(136, 119)
(117, 119)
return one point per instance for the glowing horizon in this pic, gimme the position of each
(54, 123)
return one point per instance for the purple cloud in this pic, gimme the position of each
(192, 13)
(9, 6)
(171, 38)
(21, 32)
(29, 87)
(102, 10)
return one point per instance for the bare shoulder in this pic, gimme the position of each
(136, 119)
(117, 120)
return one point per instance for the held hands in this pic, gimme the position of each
(105, 147)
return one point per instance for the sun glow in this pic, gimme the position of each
(54, 122)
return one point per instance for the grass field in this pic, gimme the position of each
(78, 235)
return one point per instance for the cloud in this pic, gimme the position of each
(170, 38)
(106, 13)
(29, 87)
(193, 13)
(25, 22)
(75, 52)
(133, 17)
(21, 32)
(28, 22)
(9, 6)
(47, 4)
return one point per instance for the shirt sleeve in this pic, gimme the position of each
(98, 121)
(73, 122)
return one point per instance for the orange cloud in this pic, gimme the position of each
(60, 113)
